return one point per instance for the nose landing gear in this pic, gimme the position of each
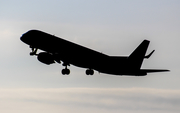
(89, 72)
(34, 51)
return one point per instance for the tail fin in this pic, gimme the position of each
(137, 56)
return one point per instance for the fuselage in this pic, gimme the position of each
(58, 49)
(76, 54)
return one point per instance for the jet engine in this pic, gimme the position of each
(45, 58)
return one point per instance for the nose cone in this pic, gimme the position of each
(28, 37)
(22, 38)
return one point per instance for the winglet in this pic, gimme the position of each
(149, 54)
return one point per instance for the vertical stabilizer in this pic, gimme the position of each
(137, 56)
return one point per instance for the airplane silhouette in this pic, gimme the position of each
(57, 50)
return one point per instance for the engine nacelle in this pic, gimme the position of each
(45, 58)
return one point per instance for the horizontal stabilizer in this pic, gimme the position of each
(154, 70)
(149, 54)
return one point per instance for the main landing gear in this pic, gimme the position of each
(65, 71)
(89, 72)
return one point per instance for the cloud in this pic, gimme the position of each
(68, 100)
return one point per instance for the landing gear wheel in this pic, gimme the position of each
(65, 71)
(89, 72)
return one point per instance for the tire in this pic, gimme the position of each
(67, 71)
(87, 72)
(91, 72)
(63, 71)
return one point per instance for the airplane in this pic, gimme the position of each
(60, 50)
